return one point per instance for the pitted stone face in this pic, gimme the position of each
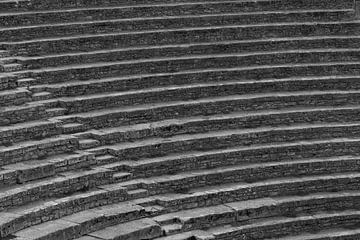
(179, 120)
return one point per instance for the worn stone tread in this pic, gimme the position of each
(184, 29)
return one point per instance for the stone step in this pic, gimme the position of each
(70, 128)
(235, 120)
(137, 193)
(327, 234)
(278, 99)
(182, 181)
(265, 153)
(25, 82)
(87, 221)
(100, 197)
(122, 176)
(197, 92)
(202, 48)
(34, 170)
(8, 81)
(37, 149)
(200, 83)
(37, 5)
(22, 113)
(39, 96)
(180, 36)
(315, 62)
(88, 143)
(161, 22)
(7, 60)
(216, 105)
(28, 131)
(243, 212)
(103, 12)
(276, 228)
(197, 234)
(16, 96)
(4, 54)
(54, 112)
(32, 214)
(11, 67)
(65, 184)
(139, 229)
(151, 147)
(224, 193)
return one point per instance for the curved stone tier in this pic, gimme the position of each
(179, 120)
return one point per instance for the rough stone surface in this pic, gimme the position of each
(179, 120)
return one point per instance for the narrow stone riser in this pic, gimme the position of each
(14, 99)
(289, 153)
(291, 228)
(215, 62)
(181, 36)
(235, 140)
(56, 189)
(34, 132)
(20, 115)
(22, 34)
(8, 82)
(290, 208)
(37, 151)
(24, 5)
(204, 49)
(219, 107)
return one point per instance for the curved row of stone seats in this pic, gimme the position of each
(338, 164)
(88, 217)
(186, 49)
(252, 65)
(336, 234)
(156, 146)
(279, 227)
(341, 164)
(173, 95)
(33, 150)
(30, 111)
(242, 212)
(208, 106)
(158, 10)
(347, 147)
(186, 64)
(180, 36)
(25, 5)
(63, 184)
(234, 120)
(146, 24)
(76, 225)
(37, 169)
(274, 228)
(27, 131)
(198, 178)
(332, 234)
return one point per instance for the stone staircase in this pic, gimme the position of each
(179, 120)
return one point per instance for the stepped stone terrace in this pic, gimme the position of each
(179, 119)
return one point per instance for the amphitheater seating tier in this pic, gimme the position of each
(179, 120)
